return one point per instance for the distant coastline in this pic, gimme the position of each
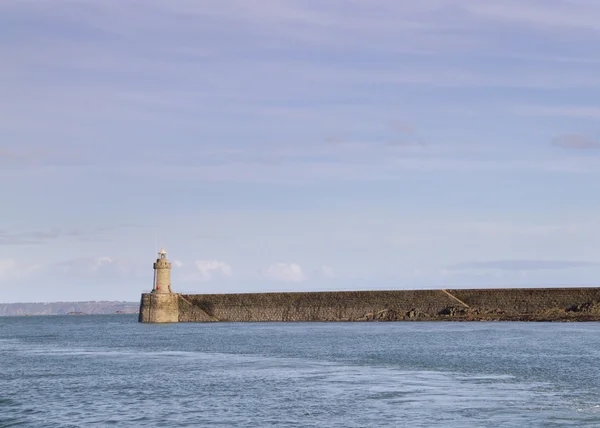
(69, 308)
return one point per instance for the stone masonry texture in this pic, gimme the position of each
(163, 276)
(518, 304)
(159, 308)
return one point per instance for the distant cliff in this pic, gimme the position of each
(66, 308)
(517, 304)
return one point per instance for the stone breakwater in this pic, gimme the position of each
(509, 304)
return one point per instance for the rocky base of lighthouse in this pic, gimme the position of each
(159, 308)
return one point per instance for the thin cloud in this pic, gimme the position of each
(568, 14)
(411, 142)
(7, 267)
(402, 127)
(575, 142)
(47, 236)
(91, 265)
(324, 272)
(36, 237)
(284, 272)
(559, 111)
(407, 135)
(523, 265)
(13, 269)
(209, 269)
(9, 157)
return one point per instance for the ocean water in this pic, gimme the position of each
(80, 371)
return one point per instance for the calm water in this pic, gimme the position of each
(79, 371)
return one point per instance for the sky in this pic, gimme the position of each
(279, 145)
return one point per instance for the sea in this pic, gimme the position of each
(110, 370)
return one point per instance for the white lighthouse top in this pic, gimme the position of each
(162, 253)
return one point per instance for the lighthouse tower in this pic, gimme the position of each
(162, 274)
(161, 305)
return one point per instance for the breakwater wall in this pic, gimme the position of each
(509, 304)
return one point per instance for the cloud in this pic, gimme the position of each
(88, 50)
(325, 272)
(46, 236)
(12, 269)
(380, 77)
(576, 142)
(38, 155)
(208, 269)
(35, 237)
(559, 111)
(7, 267)
(406, 135)
(91, 265)
(9, 157)
(402, 127)
(102, 261)
(81, 266)
(523, 265)
(284, 272)
(569, 14)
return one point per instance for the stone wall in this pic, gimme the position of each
(549, 304)
(527, 299)
(334, 306)
(159, 308)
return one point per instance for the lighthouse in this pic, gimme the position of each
(161, 305)
(162, 274)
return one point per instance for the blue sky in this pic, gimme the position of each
(297, 145)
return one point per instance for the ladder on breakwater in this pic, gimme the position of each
(455, 298)
(211, 317)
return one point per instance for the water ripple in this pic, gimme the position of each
(76, 372)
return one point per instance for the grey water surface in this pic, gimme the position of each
(79, 371)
